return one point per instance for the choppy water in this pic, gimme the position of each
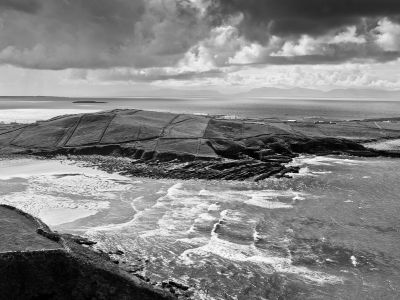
(331, 232)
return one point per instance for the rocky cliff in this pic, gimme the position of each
(36, 263)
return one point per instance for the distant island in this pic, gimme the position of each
(87, 101)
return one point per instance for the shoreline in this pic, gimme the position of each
(64, 265)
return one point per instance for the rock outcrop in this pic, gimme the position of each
(211, 147)
(36, 263)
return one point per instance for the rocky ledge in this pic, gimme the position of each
(37, 263)
(158, 144)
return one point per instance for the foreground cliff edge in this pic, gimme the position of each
(36, 263)
(187, 146)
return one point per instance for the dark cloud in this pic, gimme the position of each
(293, 17)
(192, 34)
(97, 33)
(27, 6)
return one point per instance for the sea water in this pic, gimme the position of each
(30, 109)
(331, 231)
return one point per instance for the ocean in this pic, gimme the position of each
(29, 109)
(330, 232)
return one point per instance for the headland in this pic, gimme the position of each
(186, 146)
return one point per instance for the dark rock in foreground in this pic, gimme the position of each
(36, 263)
(212, 148)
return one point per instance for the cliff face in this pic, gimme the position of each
(256, 147)
(38, 264)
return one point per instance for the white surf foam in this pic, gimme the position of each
(214, 207)
(261, 198)
(249, 253)
(322, 161)
(59, 191)
(268, 204)
(53, 210)
(384, 145)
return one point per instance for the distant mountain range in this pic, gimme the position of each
(270, 92)
(264, 92)
(311, 93)
(177, 93)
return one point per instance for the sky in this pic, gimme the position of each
(135, 47)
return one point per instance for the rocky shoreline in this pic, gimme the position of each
(37, 263)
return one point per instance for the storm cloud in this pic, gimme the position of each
(294, 17)
(201, 37)
(58, 34)
(27, 6)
